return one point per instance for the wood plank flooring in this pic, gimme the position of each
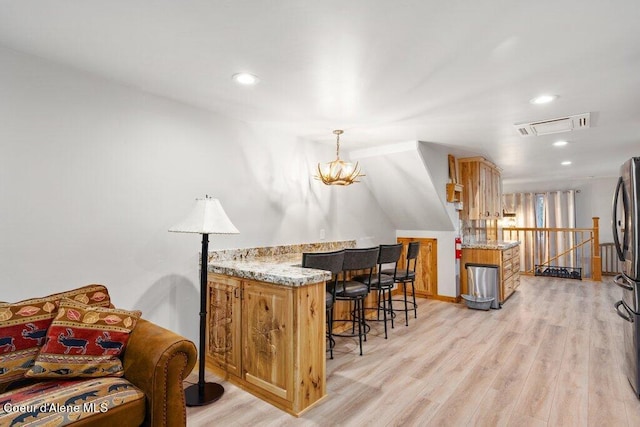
(550, 357)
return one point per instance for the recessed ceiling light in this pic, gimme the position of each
(246, 79)
(560, 143)
(566, 163)
(543, 99)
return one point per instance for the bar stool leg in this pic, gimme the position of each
(359, 327)
(391, 308)
(353, 316)
(384, 309)
(415, 306)
(406, 308)
(362, 319)
(330, 330)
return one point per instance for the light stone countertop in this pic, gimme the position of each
(281, 270)
(280, 265)
(491, 245)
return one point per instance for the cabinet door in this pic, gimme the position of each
(482, 192)
(470, 178)
(224, 323)
(267, 334)
(426, 283)
(496, 194)
(485, 187)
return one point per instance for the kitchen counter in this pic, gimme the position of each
(504, 255)
(285, 271)
(280, 265)
(495, 245)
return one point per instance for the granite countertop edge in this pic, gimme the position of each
(279, 273)
(491, 245)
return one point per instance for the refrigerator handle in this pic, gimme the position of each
(614, 215)
(624, 316)
(619, 280)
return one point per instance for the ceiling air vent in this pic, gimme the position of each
(548, 127)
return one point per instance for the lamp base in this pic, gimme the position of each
(210, 393)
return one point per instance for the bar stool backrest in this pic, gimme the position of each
(330, 261)
(389, 254)
(412, 256)
(360, 259)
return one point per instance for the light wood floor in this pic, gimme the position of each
(550, 357)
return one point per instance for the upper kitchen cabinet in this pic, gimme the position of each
(482, 195)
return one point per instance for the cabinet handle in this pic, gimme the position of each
(236, 293)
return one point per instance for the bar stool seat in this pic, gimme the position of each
(352, 289)
(401, 275)
(377, 281)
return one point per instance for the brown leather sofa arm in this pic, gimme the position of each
(157, 361)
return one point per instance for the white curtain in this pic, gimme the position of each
(554, 209)
(560, 213)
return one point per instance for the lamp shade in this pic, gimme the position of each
(206, 217)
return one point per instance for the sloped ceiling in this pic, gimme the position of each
(403, 186)
(456, 72)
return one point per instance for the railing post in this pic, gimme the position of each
(596, 262)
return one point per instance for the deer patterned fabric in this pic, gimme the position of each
(24, 324)
(84, 341)
(62, 402)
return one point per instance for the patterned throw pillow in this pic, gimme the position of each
(84, 341)
(23, 327)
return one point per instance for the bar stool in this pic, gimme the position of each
(354, 291)
(383, 283)
(330, 261)
(405, 276)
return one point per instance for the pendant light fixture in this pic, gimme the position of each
(338, 172)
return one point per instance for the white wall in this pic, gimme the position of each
(92, 175)
(436, 161)
(409, 181)
(402, 184)
(593, 200)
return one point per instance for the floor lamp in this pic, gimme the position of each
(207, 217)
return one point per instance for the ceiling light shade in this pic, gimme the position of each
(560, 143)
(206, 217)
(566, 163)
(246, 79)
(338, 172)
(543, 99)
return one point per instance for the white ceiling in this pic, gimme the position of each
(455, 72)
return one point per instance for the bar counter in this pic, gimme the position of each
(280, 265)
(491, 244)
(266, 323)
(285, 270)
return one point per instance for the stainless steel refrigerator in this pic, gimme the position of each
(626, 225)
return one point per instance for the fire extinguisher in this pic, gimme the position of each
(458, 248)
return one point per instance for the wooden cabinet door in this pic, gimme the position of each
(267, 335)
(470, 179)
(496, 194)
(224, 323)
(426, 283)
(482, 194)
(486, 196)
